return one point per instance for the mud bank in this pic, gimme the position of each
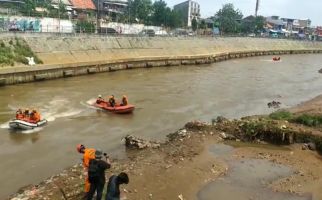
(162, 170)
(73, 56)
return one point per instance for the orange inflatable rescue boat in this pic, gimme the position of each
(276, 58)
(116, 109)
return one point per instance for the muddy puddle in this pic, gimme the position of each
(246, 179)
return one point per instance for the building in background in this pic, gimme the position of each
(68, 5)
(81, 8)
(189, 10)
(318, 32)
(110, 9)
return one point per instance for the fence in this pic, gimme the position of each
(31, 25)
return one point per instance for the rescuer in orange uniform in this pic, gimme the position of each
(88, 155)
(19, 114)
(35, 116)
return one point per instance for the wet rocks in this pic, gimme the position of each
(179, 135)
(196, 125)
(309, 146)
(320, 71)
(274, 104)
(227, 136)
(134, 142)
(219, 119)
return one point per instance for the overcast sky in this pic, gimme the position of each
(298, 9)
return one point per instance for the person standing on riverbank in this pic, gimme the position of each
(96, 175)
(113, 186)
(89, 154)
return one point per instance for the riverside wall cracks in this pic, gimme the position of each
(72, 56)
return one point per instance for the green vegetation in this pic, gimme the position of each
(15, 52)
(281, 115)
(229, 18)
(157, 14)
(305, 119)
(85, 27)
(308, 120)
(194, 24)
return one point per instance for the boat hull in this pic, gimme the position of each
(117, 109)
(24, 125)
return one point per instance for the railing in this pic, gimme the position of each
(56, 30)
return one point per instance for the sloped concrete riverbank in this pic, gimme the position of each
(72, 56)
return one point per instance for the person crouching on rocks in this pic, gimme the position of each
(113, 186)
(96, 175)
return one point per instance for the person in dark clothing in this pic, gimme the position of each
(111, 100)
(113, 186)
(96, 175)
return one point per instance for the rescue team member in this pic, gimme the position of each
(124, 101)
(111, 100)
(89, 154)
(99, 99)
(113, 186)
(26, 113)
(35, 116)
(19, 114)
(96, 175)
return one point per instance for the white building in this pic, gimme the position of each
(189, 10)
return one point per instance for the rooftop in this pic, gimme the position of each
(83, 4)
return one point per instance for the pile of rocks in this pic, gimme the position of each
(134, 142)
(196, 125)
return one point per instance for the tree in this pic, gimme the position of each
(229, 18)
(252, 24)
(203, 24)
(140, 11)
(160, 13)
(175, 20)
(194, 24)
(259, 23)
(29, 7)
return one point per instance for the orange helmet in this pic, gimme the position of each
(79, 148)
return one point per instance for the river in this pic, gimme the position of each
(165, 99)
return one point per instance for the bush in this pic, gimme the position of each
(281, 115)
(85, 27)
(16, 52)
(308, 120)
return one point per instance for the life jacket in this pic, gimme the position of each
(34, 117)
(89, 154)
(37, 116)
(19, 116)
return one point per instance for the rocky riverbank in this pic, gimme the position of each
(162, 170)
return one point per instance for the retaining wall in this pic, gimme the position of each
(72, 56)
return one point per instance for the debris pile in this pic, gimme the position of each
(134, 142)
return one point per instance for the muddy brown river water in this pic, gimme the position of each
(165, 99)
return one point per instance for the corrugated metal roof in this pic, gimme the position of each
(83, 4)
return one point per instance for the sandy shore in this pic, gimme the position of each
(180, 167)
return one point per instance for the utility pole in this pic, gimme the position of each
(257, 7)
(98, 16)
(59, 16)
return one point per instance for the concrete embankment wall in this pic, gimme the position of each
(71, 56)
